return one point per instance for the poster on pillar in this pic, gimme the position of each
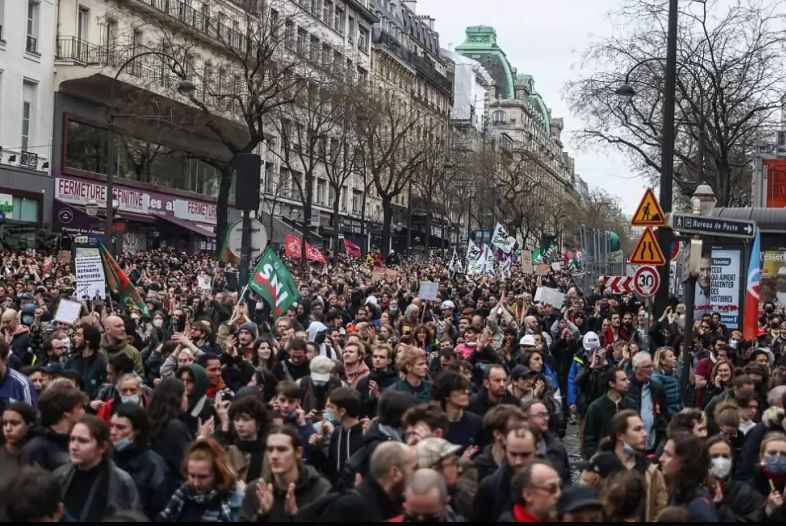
(718, 286)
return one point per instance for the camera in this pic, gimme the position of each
(224, 395)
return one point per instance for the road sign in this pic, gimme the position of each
(618, 284)
(646, 281)
(258, 238)
(647, 251)
(675, 249)
(649, 212)
(713, 226)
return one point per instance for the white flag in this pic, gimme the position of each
(502, 240)
(487, 260)
(507, 265)
(473, 252)
(455, 263)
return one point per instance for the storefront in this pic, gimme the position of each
(25, 201)
(144, 219)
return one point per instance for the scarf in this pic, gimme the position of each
(185, 494)
(356, 372)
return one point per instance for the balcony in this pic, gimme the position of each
(422, 65)
(31, 45)
(73, 49)
(198, 21)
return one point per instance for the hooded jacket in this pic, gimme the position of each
(92, 368)
(370, 503)
(112, 350)
(308, 488)
(771, 420)
(199, 407)
(494, 495)
(20, 345)
(343, 444)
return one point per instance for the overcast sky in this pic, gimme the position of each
(546, 40)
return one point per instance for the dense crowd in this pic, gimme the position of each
(366, 403)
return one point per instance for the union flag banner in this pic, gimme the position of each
(117, 281)
(292, 249)
(272, 281)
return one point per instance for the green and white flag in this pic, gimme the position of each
(272, 281)
(502, 240)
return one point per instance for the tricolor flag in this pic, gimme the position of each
(750, 316)
(117, 281)
(272, 281)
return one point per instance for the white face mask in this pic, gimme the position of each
(720, 467)
(158, 322)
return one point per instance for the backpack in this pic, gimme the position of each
(317, 511)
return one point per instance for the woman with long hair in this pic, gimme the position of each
(169, 434)
(721, 379)
(210, 493)
(423, 338)
(265, 353)
(622, 496)
(667, 373)
(628, 441)
(18, 419)
(770, 478)
(93, 486)
(130, 435)
(685, 463)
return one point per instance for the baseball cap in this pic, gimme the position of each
(590, 341)
(520, 371)
(447, 304)
(604, 464)
(53, 368)
(321, 367)
(576, 498)
(528, 340)
(431, 450)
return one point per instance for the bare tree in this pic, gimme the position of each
(392, 147)
(518, 182)
(729, 85)
(430, 180)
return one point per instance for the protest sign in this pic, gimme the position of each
(553, 297)
(204, 282)
(542, 269)
(64, 257)
(90, 280)
(556, 267)
(428, 290)
(391, 275)
(68, 311)
(526, 262)
(718, 286)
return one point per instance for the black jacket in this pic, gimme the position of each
(590, 381)
(121, 493)
(748, 463)
(480, 403)
(46, 449)
(343, 444)
(171, 443)
(484, 462)
(359, 461)
(385, 380)
(493, 497)
(92, 369)
(369, 504)
(741, 503)
(150, 475)
(558, 456)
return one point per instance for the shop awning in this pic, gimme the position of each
(198, 228)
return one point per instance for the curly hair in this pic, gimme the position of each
(407, 356)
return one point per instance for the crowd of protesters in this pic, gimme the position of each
(366, 403)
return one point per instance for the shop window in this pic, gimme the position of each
(25, 209)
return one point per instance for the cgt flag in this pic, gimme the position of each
(272, 281)
(117, 281)
(750, 316)
(351, 248)
(292, 249)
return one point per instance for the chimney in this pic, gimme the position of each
(411, 4)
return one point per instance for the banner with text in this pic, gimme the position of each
(718, 286)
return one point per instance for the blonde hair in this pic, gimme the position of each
(657, 360)
(407, 356)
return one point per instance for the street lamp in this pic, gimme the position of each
(703, 200)
(626, 92)
(91, 207)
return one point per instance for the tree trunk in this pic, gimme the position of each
(337, 200)
(387, 218)
(222, 207)
(306, 219)
(366, 245)
(428, 228)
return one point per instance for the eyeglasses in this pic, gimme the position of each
(525, 455)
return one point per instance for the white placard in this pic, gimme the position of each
(204, 282)
(556, 267)
(90, 281)
(428, 290)
(68, 311)
(553, 297)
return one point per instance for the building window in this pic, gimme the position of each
(31, 44)
(314, 50)
(362, 75)
(321, 188)
(338, 19)
(289, 34)
(498, 117)
(326, 55)
(28, 113)
(344, 192)
(357, 200)
(82, 24)
(25, 209)
(302, 40)
(363, 40)
(327, 12)
(351, 30)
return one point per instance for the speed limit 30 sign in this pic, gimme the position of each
(646, 281)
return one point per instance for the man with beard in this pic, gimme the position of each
(90, 363)
(615, 331)
(493, 392)
(296, 365)
(382, 376)
(378, 497)
(115, 342)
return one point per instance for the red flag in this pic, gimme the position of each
(351, 249)
(292, 249)
(750, 316)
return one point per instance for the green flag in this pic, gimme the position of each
(272, 281)
(117, 281)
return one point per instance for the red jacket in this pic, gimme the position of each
(522, 514)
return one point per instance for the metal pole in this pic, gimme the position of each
(687, 339)
(665, 235)
(110, 176)
(409, 219)
(245, 248)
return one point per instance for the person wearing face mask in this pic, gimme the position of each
(128, 391)
(770, 478)
(339, 435)
(735, 501)
(628, 441)
(129, 432)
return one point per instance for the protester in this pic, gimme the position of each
(18, 419)
(536, 489)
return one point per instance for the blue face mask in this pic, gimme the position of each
(775, 464)
(133, 399)
(123, 444)
(319, 383)
(331, 417)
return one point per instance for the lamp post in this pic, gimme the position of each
(185, 88)
(702, 203)
(91, 207)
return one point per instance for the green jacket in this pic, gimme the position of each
(597, 421)
(132, 352)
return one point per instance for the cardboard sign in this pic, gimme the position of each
(391, 275)
(68, 311)
(64, 257)
(428, 290)
(526, 262)
(556, 267)
(542, 269)
(90, 282)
